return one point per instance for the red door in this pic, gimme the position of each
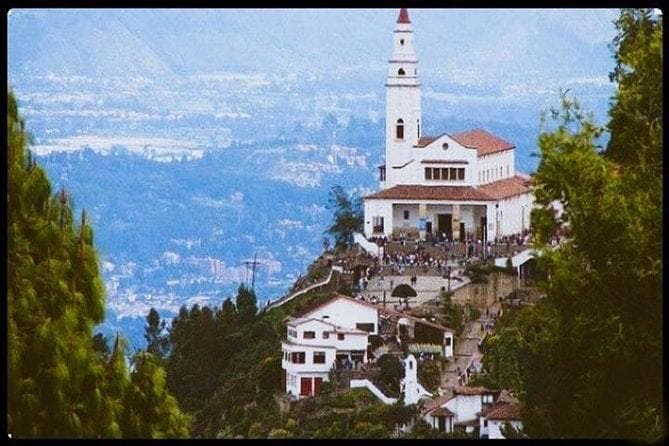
(317, 385)
(305, 386)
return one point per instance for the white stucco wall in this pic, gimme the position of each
(464, 407)
(515, 213)
(398, 216)
(492, 163)
(346, 313)
(378, 208)
(318, 327)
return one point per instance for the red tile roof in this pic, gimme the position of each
(441, 412)
(436, 403)
(504, 411)
(484, 142)
(440, 193)
(418, 320)
(470, 390)
(497, 190)
(403, 17)
(425, 141)
(508, 187)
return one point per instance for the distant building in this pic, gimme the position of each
(461, 185)
(505, 410)
(337, 333)
(473, 410)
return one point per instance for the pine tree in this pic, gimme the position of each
(149, 410)
(157, 341)
(246, 304)
(348, 216)
(61, 384)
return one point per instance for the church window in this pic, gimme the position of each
(453, 173)
(418, 125)
(399, 129)
(444, 146)
(479, 176)
(444, 173)
(401, 72)
(500, 172)
(507, 170)
(428, 173)
(415, 71)
(401, 41)
(435, 174)
(382, 173)
(406, 215)
(461, 173)
(377, 223)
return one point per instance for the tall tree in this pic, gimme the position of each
(150, 411)
(348, 216)
(604, 292)
(154, 332)
(55, 296)
(246, 304)
(61, 384)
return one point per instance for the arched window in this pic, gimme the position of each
(399, 129)
(401, 41)
(401, 72)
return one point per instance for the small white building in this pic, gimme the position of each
(461, 185)
(462, 410)
(505, 410)
(336, 331)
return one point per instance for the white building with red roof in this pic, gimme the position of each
(463, 185)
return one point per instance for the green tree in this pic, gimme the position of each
(348, 216)
(450, 314)
(429, 375)
(636, 114)
(157, 342)
(246, 304)
(604, 292)
(62, 381)
(55, 297)
(391, 373)
(100, 345)
(149, 410)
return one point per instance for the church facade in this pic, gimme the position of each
(457, 186)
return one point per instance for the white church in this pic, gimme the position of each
(461, 185)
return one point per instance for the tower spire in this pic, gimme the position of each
(404, 16)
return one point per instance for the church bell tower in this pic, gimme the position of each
(403, 110)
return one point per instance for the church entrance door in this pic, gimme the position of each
(445, 225)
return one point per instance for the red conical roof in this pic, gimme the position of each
(403, 17)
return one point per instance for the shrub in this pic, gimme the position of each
(279, 433)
